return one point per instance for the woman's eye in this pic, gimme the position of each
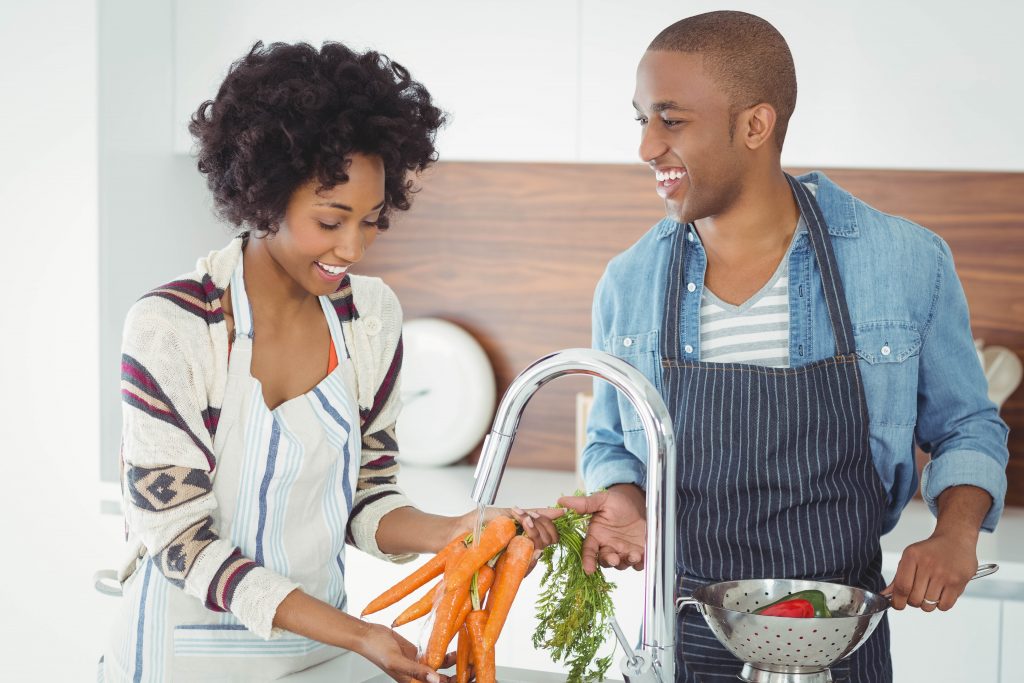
(372, 224)
(328, 226)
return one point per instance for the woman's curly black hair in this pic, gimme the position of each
(286, 114)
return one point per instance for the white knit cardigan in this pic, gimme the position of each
(174, 375)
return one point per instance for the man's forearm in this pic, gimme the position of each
(962, 509)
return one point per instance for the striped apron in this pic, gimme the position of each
(284, 485)
(776, 478)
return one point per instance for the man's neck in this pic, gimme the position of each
(759, 223)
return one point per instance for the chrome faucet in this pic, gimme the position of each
(655, 661)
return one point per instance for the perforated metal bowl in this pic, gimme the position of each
(785, 644)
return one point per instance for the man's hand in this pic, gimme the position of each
(934, 572)
(618, 527)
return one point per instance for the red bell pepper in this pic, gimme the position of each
(799, 608)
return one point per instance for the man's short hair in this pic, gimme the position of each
(745, 54)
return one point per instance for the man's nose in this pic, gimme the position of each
(651, 144)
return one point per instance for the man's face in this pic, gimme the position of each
(684, 118)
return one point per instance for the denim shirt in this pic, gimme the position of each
(923, 381)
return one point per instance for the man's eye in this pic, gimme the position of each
(642, 120)
(671, 123)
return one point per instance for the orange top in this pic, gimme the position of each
(332, 359)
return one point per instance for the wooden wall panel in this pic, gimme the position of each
(512, 252)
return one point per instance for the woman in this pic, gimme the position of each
(261, 390)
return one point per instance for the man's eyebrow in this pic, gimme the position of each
(665, 105)
(345, 207)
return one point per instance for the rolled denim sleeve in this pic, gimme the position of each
(606, 460)
(957, 424)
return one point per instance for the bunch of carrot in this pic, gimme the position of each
(493, 567)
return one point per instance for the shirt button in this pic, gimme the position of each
(691, 287)
(688, 348)
(627, 342)
(689, 236)
(372, 325)
(886, 350)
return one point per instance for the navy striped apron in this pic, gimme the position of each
(775, 472)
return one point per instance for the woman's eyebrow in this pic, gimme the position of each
(345, 207)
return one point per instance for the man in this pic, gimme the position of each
(803, 343)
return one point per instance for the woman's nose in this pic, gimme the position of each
(351, 243)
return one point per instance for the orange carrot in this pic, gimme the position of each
(432, 569)
(462, 657)
(421, 607)
(445, 612)
(484, 581)
(494, 538)
(483, 657)
(510, 574)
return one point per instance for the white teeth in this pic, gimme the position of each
(673, 174)
(333, 270)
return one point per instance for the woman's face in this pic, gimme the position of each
(324, 233)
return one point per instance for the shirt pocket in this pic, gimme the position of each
(889, 351)
(642, 351)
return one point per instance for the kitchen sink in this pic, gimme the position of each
(352, 668)
(503, 674)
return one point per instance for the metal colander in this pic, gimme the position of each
(783, 644)
(785, 648)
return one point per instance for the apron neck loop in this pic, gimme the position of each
(240, 301)
(835, 296)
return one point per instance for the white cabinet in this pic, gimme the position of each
(506, 72)
(947, 647)
(1013, 636)
(553, 81)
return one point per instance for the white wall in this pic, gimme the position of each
(52, 533)
(925, 84)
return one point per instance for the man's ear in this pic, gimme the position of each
(756, 125)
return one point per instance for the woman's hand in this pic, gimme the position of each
(536, 522)
(396, 656)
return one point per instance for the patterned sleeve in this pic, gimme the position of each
(378, 492)
(168, 463)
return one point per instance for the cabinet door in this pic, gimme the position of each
(506, 72)
(1013, 636)
(947, 647)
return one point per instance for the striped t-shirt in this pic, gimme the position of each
(755, 332)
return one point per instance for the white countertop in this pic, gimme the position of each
(540, 488)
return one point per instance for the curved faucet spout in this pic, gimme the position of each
(659, 623)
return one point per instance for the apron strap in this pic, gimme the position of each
(673, 309)
(832, 283)
(240, 302)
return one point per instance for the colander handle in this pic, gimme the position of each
(685, 602)
(985, 570)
